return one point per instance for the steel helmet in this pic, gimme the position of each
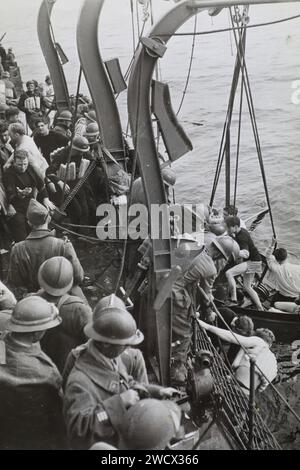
(217, 229)
(92, 129)
(169, 176)
(81, 144)
(108, 303)
(114, 326)
(3, 107)
(91, 115)
(227, 246)
(55, 276)
(33, 314)
(102, 446)
(65, 116)
(150, 424)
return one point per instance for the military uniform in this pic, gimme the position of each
(75, 314)
(93, 409)
(27, 256)
(82, 208)
(202, 271)
(30, 404)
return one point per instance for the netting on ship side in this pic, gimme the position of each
(235, 402)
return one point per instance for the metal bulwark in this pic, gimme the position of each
(51, 55)
(96, 76)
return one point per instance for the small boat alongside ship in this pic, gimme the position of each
(222, 418)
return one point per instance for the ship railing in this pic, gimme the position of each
(235, 402)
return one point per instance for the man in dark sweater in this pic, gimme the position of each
(48, 140)
(21, 184)
(251, 261)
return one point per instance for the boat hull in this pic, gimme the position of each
(285, 326)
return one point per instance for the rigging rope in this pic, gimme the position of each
(224, 30)
(189, 68)
(245, 78)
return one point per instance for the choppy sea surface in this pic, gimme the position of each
(272, 55)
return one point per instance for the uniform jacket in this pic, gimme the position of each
(203, 271)
(30, 399)
(93, 409)
(28, 255)
(75, 314)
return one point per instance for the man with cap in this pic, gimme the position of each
(41, 244)
(30, 384)
(82, 208)
(55, 278)
(22, 184)
(32, 103)
(107, 377)
(201, 271)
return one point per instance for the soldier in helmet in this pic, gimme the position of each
(105, 377)
(203, 271)
(30, 403)
(98, 180)
(64, 124)
(82, 208)
(55, 278)
(150, 424)
(41, 244)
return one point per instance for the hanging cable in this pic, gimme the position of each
(189, 68)
(245, 78)
(222, 149)
(132, 25)
(239, 133)
(224, 30)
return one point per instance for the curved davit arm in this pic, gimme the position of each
(51, 55)
(140, 117)
(96, 76)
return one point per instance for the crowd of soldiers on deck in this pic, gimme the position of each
(71, 377)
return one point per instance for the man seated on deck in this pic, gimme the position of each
(105, 377)
(252, 262)
(22, 184)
